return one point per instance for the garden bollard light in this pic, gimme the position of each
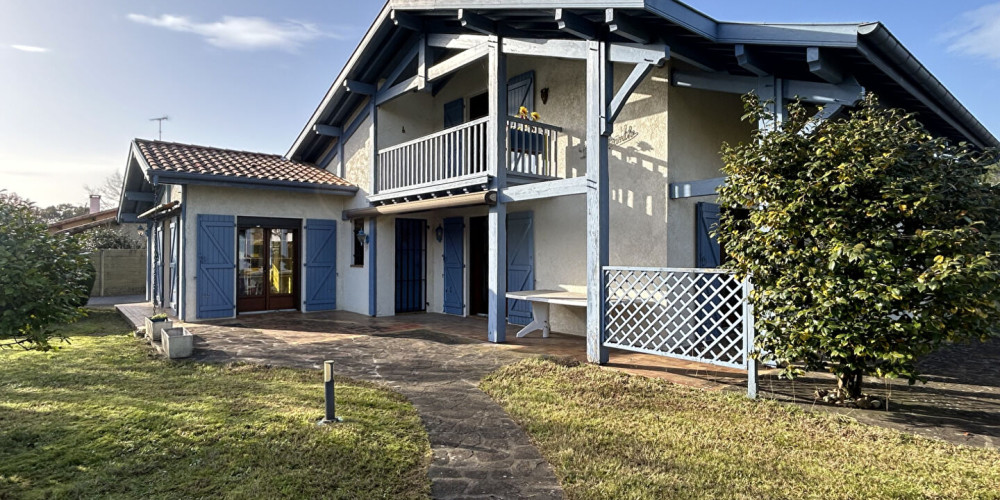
(330, 415)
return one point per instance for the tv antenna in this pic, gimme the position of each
(159, 124)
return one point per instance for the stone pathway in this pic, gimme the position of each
(478, 451)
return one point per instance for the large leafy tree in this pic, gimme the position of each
(870, 241)
(44, 279)
(62, 211)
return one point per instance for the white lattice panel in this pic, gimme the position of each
(695, 314)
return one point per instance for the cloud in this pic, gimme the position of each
(29, 48)
(979, 35)
(241, 33)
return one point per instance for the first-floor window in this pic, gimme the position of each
(359, 245)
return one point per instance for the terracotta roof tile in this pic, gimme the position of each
(192, 159)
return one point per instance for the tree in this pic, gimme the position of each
(869, 241)
(62, 211)
(109, 189)
(115, 237)
(44, 279)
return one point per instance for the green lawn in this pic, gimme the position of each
(102, 417)
(614, 435)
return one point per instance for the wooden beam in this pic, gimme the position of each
(457, 62)
(545, 189)
(359, 87)
(411, 54)
(425, 58)
(715, 82)
(847, 93)
(496, 165)
(327, 130)
(546, 47)
(455, 42)
(600, 82)
(476, 22)
(410, 84)
(575, 25)
(825, 113)
(691, 189)
(638, 73)
(139, 196)
(633, 53)
(406, 20)
(821, 66)
(747, 58)
(624, 26)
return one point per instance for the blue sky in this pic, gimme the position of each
(79, 80)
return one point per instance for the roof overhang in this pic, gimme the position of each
(865, 51)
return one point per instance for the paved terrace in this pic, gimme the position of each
(437, 360)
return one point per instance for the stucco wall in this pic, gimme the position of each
(255, 203)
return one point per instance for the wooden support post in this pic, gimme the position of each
(372, 267)
(770, 91)
(748, 339)
(496, 166)
(340, 157)
(373, 140)
(600, 85)
(424, 60)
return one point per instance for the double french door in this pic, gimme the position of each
(268, 268)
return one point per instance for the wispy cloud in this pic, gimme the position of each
(242, 33)
(979, 35)
(29, 48)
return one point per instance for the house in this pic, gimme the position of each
(415, 186)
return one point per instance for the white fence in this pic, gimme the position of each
(700, 315)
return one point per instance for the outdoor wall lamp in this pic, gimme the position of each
(361, 236)
(439, 233)
(544, 93)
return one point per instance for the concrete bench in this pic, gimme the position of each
(540, 300)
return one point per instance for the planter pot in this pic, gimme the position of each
(153, 328)
(523, 141)
(177, 342)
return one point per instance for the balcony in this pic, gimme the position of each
(455, 158)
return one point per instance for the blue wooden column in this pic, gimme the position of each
(372, 268)
(600, 88)
(496, 164)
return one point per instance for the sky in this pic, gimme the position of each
(80, 80)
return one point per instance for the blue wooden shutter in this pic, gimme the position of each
(216, 284)
(454, 265)
(520, 264)
(454, 113)
(321, 265)
(707, 246)
(521, 92)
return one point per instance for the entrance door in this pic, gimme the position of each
(479, 249)
(268, 274)
(411, 269)
(454, 265)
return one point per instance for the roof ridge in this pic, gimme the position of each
(214, 148)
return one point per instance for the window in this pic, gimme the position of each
(479, 106)
(359, 245)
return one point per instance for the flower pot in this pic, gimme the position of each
(177, 342)
(153, 328)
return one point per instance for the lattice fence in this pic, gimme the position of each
(696, 314)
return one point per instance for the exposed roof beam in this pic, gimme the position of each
(824, 114)
(655, 54)
(626, 27)
(476, 22)
(457, 62)
(357, 87)
(566, 49)
(455, 42)
(406, 20)
(575, 25)
(327, 130)
(138, 196)
(387, 94)
(747, 58)
(821, 65)
(847, 93)
(691, 189)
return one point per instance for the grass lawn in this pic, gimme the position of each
(102, 417)
(614, 435)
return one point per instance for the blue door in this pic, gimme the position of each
(707, 249)
(321, 265)
(411, 271)
(454, 265)
(216, 281)
(520, 264)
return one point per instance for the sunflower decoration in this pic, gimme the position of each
(523, 114)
